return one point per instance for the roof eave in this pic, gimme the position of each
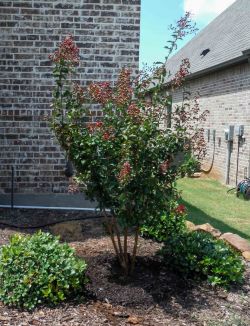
(244, 58)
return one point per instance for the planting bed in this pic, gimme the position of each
(154, 296)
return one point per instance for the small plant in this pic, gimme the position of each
(38, 269)
(190, 165)
(198, 254)
(171, 223)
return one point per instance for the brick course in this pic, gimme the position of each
(226, 94)
(107, 33)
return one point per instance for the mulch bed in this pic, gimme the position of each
(154, 296)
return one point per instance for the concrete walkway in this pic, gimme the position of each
(48, 201)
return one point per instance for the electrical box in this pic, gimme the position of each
(226, 133)
(214, 135)
(208, 135)
(239, 130)
(229, 133)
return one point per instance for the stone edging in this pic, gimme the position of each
(234, 240)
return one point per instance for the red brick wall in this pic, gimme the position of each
(107, 33)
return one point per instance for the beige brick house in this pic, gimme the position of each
(220, 73)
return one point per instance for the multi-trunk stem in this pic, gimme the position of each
(126, 260)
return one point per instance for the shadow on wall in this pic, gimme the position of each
(197, 216)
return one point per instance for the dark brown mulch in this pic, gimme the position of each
(154, 296)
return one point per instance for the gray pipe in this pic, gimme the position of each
(88, 209)
(229, 150)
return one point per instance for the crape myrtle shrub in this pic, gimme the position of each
(36, 269)
(125, 160)
(199, 255)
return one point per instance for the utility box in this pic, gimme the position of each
(239, 130)
(214, 135)
(229, 133)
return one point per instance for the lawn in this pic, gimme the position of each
(207, 201)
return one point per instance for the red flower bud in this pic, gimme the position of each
(106, 136)
(92, 126)
(133, 110)
(67, 51)
(181, 209)
(100, 92)
(181, 73)
(125, 172)
(124, 88)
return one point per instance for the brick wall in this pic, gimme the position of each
(107, 33)
(226, 95)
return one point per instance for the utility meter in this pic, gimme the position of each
(229, 133)
(226, 133)
(239, 131)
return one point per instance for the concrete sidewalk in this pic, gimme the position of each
(48, 201)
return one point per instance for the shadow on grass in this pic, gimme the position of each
(197, 216)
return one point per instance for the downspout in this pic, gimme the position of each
(237, 162)
(12, 188)
(229, 134)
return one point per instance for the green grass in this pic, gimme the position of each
(207, 201)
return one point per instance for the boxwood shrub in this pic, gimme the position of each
(168, 225)
(37, 269)
(198, 254)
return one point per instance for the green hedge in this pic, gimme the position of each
(39, 269)
(198, 254)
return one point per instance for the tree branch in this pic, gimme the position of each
(135, 249)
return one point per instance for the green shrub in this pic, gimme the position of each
(171, 223)
(198, 254)
(38, 269)
(190, 166)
